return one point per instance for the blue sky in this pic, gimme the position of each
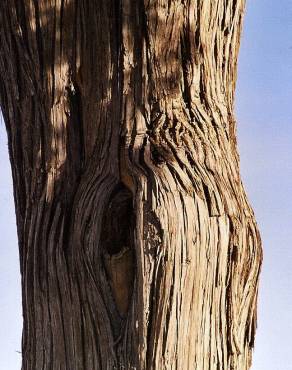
(264, 115)
(10, 299)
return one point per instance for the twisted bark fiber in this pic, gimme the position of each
(138, 247)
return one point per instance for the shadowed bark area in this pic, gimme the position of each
(138, 247)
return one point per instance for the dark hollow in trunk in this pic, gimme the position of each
(118, 252)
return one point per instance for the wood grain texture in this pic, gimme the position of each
(138, 247)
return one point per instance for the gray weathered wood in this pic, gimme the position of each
(138, 247)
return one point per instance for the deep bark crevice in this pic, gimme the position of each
(116, 241)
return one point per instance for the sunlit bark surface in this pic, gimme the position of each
(138, 247)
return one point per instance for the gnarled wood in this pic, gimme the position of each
(138, 247)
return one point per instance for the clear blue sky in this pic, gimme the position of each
(264, 114)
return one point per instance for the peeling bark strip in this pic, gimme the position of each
(138, 247)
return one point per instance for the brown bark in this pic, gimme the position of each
(138, 247)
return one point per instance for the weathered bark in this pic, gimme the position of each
(138, 247)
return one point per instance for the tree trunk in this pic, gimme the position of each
(138, 247)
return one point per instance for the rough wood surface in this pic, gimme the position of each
(128, 105)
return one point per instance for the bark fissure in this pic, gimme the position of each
(116, 241)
